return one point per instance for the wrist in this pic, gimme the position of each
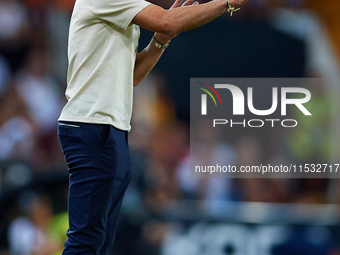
(159, 45)
(232, 3)
(231, 6)
(225, 4)
(162, 39)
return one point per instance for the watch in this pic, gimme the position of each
(158, 45)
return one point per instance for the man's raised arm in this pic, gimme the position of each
(169, 23)
(177, 20)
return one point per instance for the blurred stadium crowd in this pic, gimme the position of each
(268, 38)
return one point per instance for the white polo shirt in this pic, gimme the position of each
(102, 51)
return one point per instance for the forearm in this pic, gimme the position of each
(178, 20)
(190, 17)
(147, 59)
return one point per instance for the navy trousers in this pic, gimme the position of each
(99, 168)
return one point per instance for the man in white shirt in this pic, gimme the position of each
(103, 68)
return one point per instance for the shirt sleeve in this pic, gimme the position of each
(118, 12)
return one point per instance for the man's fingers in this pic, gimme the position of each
(176, 4)
(188, 2)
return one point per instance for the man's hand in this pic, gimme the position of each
(163, 38)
